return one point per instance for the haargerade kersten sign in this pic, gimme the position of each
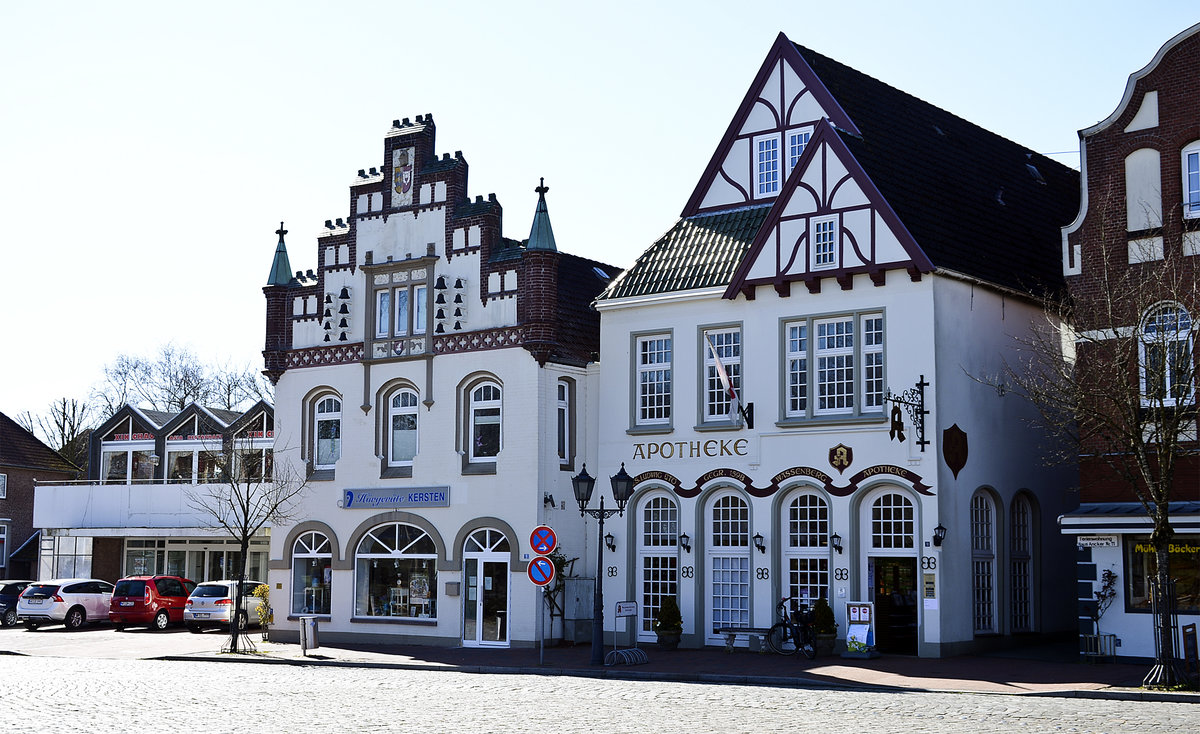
(382, 499)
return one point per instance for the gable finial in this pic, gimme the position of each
(281, 231)
(542, 187)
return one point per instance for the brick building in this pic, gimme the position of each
(433, 382)
(1135, 246)
(24, 461)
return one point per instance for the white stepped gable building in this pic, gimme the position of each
(847, 245)
(436, 380)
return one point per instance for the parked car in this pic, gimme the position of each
(73, 602)
(10, 589)
(212, 601)
(154, 600)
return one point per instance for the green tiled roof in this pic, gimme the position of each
(699, 252)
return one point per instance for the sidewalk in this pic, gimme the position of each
(1033, 671)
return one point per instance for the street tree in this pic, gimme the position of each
(1113, 369)
(250, 492)
(64, 427)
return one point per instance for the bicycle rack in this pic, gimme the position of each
(628, 656)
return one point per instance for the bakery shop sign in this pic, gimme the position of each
(692, 449)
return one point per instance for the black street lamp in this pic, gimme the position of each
(622, 487)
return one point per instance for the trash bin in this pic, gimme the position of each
(308, 634)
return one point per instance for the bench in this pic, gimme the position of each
(755, 636)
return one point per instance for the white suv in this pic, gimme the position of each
(210, 603)
(73, 602)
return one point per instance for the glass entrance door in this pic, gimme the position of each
(894, 591)
(485, 615)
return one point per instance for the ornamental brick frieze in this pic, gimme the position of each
(478, 341)
(747, 483)
(322, 356)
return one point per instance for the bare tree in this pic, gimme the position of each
(1114, 370)
(250, 493)
(64, 427)
(174, 378)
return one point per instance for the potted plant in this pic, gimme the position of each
(825, 627)
(668, 624)
(263, 592)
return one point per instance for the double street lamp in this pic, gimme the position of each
(622, 488)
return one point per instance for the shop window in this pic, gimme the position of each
(806, 554)
(983, 563)
(312, 563)
(840, 360)
(328, 434)
(126, 465)
(1021, 564)
(653, 378)
(1141, 565)
(658, 557)
(1165, 353)
(722, 353)
(396, 573)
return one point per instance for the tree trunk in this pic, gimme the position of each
(1165, 673)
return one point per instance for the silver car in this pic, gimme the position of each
(73, 602)
(211, 602)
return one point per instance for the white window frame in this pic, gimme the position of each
(654, 366)
(395, 411)
(812, 356)
(562, 414)
(476, 404)
(824, 237)
(657, 556)
(793, 155)
(767, 151)
(872, 376)
(1190, 165)
(3, 544)
(324, 412)
(1167, 338)
(728, 562)
(312, 545)
(835, 367)
(796, 368)
(893, 522)
(3, 486)
(383, 313)
(983, 564)
(727, 340)
(806, 553)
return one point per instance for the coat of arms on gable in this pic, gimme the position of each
(841, 457)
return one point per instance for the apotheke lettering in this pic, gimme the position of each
(691, 449)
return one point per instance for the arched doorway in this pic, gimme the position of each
(889, 528)
(485, 604)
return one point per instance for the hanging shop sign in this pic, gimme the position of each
(375, 499)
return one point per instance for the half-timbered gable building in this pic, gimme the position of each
(788, 374)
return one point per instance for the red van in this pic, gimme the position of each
(154, 600)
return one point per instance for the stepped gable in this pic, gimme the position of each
(975, 202)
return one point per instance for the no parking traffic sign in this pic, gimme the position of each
(541, 571)
(543, 540)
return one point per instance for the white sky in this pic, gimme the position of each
(148, 151)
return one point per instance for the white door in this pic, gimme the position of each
(485, 603)
(728, 561)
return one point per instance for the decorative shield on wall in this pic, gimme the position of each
(954, 448)
(841, 457)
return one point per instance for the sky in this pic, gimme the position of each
(148, 151)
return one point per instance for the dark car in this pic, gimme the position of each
(157, 601)
(10, 589)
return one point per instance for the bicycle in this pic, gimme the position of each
(793, 632)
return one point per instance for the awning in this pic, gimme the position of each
(31, 541)
(1126, 517)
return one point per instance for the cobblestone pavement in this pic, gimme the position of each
(102, 695)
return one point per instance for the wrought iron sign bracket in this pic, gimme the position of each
(913, 400)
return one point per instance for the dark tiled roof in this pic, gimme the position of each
(699, 252)
(508, 249)
(158, 417)
(578, 329)
(19, 447)
(946, 178)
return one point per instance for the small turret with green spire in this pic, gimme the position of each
(281, 268)
(541, 235)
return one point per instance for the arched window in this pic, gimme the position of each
(806, 554)
(402, 428)
(983, 563)
(328, 433)
(484, 416)
(892, 522)
(396, 573)
(312, 559)
(729, 563)
(658, 556)
(1021, 542)
(1166, 356)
